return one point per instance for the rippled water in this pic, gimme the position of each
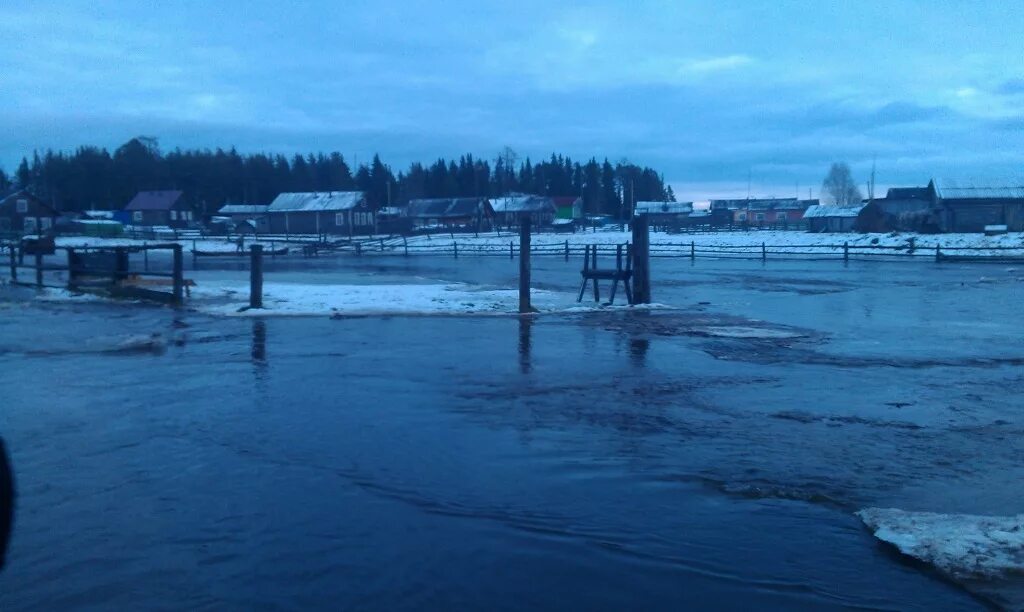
(604, 461)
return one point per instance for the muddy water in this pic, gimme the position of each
(608, 461)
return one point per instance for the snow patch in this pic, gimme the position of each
(963, 546)
(747, 333)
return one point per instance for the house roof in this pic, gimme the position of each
(955, 190)
(445, 208)
(154, 200)
(523, 204)
(20, 194)
(243, 209)
(561, 201)
(907, 193)
(663, 208)
(819, 211)
(316, 201)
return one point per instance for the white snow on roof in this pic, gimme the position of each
(243, 209)
(961, 545)
(822, 211)
(672, 208)
(314, 201)
(521, 204)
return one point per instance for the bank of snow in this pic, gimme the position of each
(963, 546)
(350, 300)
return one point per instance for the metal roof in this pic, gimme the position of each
(819, 211)
(154, 200)
(243, 209)
(955, 190)
(907, 193)
(446, 208)
(523, 204)
(316, 201)
(663, 208)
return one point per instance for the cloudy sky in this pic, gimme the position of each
(709, 93)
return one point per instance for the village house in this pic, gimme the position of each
(772, 212)
(664, 214)
(568, 207)
(246, 217)
(972, 208)
(909, 209)
(825, 218)
(162, 208)
(474, 213)
(24, 213)
(509, 210)
(329, 212)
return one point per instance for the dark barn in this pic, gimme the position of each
(24, 213)
(971, 208)
(909, 209)
(328, 212)
(160, 208)
(473, 213)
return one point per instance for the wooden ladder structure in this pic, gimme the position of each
(621, 273)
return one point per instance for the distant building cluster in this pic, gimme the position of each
(938, 207)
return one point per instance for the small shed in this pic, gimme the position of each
(23, 213)
(475, 213)
(329, 212)
(508, 210)
(167, 208)
(969, 207)
(248, 217)
(824, 218)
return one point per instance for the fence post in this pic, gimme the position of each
(71, 268)
(179, 280)
(567, 250)
(846, 252)
(145, 258)
(641, 260)
(511, 250)
(256, 276)
(693, 251)
(359, 248)
(455, 249)
(405, 245)
(39, 269)
(764, 252)
(938, 255)
(14, 265)
(524, 266)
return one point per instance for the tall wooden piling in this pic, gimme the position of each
(524, 266)
(256, 276)
(567, 250)
(846, 252)
(178, 275)
(641, 259)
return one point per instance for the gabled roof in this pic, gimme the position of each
(446, 208)
(523, 204)
(316, 201)
(663, 208)
(154, 200)
(819, 211)
(953, 190)
(561, 201)
(243, 209)
(20, 194)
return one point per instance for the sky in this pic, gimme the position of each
(721, 97)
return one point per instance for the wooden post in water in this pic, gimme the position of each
(567, 250)
(511, 250)
(693, 251)
(179, 278)
(641, 259)
(764, 252)
(72, 268)
(938, 255)
(846, 252)
(524, 266)
(39, 269)
(455, 249)
(256, 276)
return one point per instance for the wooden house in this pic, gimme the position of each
(772, 212)
(664, 215)
(472, 213)
(23, 213)
(970, 208)
(163, 208)
(246, 217)
(909, 209)
(328, 212)
(568, 207)
(824, 218)
(508, 210)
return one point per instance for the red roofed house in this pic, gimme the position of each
(160, 208)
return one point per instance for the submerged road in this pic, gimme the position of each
(709, 457)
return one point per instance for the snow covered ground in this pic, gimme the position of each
(706, 244)
(960, 545)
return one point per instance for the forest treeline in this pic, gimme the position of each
(93, 178)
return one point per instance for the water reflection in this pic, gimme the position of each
(525, 326)
(638, 348)
(259, 342)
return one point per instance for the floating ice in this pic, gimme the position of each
(962, 545)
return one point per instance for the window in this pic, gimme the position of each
(22, 206)
(137, 215)
(30, 225)
(187, 215)
(45, 223)
(759, 216)
(742, 216)
(339, 219)
(174, 216)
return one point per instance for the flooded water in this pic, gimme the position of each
(710, 456)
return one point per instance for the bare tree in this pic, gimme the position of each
(838, 188)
